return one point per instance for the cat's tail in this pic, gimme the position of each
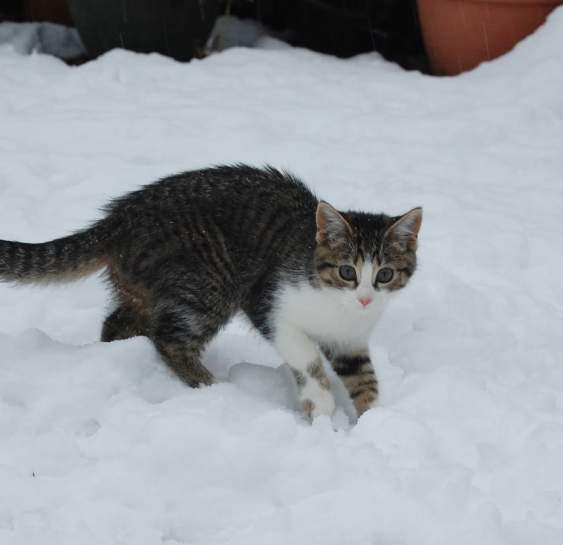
(60, 260)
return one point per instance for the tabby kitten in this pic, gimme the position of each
(184, 254)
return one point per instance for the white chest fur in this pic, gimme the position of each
(327, 315)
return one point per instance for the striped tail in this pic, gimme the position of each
(61, 260)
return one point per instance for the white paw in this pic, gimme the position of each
(321, 404)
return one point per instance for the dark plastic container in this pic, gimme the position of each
(177, 28)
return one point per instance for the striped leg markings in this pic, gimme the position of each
(357, 373)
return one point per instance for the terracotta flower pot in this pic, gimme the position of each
(460, 34)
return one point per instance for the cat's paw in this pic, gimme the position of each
(200, 379)
(364, 401)
(322, 405)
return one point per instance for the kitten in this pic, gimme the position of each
(184, 254)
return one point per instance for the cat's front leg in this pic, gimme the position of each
(303, 357)
(356, 371)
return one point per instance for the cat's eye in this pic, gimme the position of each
(384, 275)
(347, 272)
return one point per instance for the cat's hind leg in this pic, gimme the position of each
(183, 321)
(122, 323)
(130, 318)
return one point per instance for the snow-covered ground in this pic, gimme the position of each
(100, 445)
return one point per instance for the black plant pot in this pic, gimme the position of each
(177, 28)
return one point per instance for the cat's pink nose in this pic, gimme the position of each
(365, 301)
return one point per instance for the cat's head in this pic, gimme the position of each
(365, 256)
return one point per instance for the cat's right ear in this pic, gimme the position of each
(407, 226)
(331, 225)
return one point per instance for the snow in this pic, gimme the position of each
(101, 445)
(229, 31)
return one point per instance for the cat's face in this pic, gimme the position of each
(363, 258)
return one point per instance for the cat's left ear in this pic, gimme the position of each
(407, 226)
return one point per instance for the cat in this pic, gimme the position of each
(185, 253)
